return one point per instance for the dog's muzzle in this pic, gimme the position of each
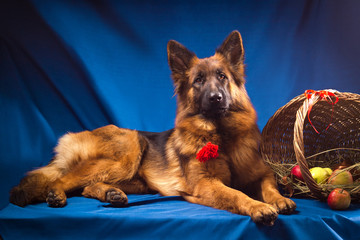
(214, 105)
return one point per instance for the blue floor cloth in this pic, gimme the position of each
(157, 217)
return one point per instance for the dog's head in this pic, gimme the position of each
(210, 86)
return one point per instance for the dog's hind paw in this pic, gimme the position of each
(116, 198)
(56, 199)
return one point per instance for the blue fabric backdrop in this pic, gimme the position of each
(74, 65)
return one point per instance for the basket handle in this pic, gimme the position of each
(299, 150)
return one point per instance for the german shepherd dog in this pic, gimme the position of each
(212, 106)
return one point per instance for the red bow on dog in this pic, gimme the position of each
(207, 152)
(313, 96)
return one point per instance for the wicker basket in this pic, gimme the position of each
(289, 138)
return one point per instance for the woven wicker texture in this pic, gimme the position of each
(289, 137)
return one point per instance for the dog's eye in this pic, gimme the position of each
(221, 76)
(198, 80)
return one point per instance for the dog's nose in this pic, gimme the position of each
(215, 97)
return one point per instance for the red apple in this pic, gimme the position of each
(339, 199)
(297, 173)
(340, 177)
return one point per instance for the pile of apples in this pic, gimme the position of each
(338, 199)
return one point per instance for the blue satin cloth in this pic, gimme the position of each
(157, 217)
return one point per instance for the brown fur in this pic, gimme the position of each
(109, 162)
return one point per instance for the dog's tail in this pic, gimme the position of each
(32, 188)
(71, 149)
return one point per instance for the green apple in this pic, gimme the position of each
(319, 174)
(329, 170)
(340, 177)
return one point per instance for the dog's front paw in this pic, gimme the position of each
(284, 205)
(56, 199)
(263, 213)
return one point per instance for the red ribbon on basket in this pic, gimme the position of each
(323, 95)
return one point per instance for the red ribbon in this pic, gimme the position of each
(323, 94)
(207, 152)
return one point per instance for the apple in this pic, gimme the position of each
(341, 177)
(339, 199)
(319, 174)
(295, 171)
(329, 170)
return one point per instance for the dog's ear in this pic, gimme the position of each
(232, 49)
(179, 57)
